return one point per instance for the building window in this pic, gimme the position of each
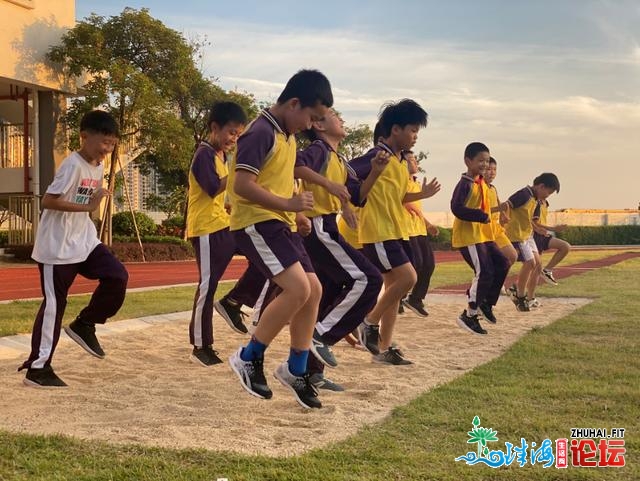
(23, 3)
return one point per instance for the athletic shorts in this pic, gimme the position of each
(388, 254)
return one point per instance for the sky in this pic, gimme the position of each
(549, 86)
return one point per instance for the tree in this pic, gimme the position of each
(171, 204)
(359, 140)
(146, 75)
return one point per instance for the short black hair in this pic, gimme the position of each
(402, 113)
(310, 87)
(224, 112)
(492, 161)
(474, 148)
(548, 180)
(377, 133)
(99, 122)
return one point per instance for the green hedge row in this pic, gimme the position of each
(156, 248)
(601, 235)
(574, 235)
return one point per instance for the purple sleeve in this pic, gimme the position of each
(536, 212)
(520, 198)
(458, 207)
(203, 168)
(313, 157)
(353, 186)
(362, 165)
(254, 146)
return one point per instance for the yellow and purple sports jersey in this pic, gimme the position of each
(349, 234)
(206, 214)
(471, 207)
(417, 225)
(383, 217)
(522, 204)
(264, 149)
(499, 233)
(322, 159)
(540, 212)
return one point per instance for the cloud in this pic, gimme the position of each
(567, 110)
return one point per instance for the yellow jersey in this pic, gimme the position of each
(264, 149)
(205, 212)
(471, 207)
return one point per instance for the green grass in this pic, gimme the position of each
(581, 371)
(17, 317)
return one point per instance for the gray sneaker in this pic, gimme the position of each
(322, 351)
(306, 394)
(321, 382)
(391, 356)
(369, 336)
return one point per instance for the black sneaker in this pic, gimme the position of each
(547, 275)
(322, 351)
(470, 323)
(415, 306)
(320, 382)
(522, 304)
(306, 394)
(391, 356)
(251, 375)
(43, 378)
(487, 312)
(205, 356)
(401, 308)
(85, 335)
(232, 314)
(369, 336)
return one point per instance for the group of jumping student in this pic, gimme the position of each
(321, 235)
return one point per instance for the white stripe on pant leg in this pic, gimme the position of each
(48, 319)
(265, 252)
(475, 259)
(203, 287)
(347, 263)
(382, 255)
(257, 307)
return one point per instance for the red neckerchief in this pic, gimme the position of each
(480, 181)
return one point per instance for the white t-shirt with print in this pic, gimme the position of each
(69, 237)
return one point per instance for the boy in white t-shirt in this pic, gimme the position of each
(67, 244)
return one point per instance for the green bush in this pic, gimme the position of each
(154, 252)
(4, 238)
(21, 252)
(601, 235)
(172, 226)
(152, 239)
(122, 224)
(441, 242)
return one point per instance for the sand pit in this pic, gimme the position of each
(147, 392)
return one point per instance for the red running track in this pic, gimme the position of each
(23, 282)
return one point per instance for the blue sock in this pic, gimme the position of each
(254, 350)
(298, 361)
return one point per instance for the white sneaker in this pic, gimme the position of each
(534, 303)
(251, 375)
